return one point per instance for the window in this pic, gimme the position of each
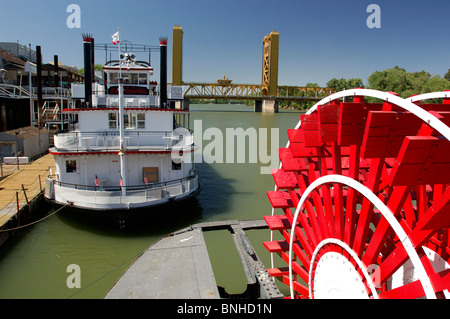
(130, 78)
(113, 78)
(129, 120)
(141, 120)
(126, 78)
(142, 78)
(71, 166)
(176, 166)
(112, 119)
(134, 78)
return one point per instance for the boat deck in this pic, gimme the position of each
(178, 267)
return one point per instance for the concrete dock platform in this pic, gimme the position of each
(175, 265)
(178, 267)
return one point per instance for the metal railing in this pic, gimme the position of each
(138, 101)
(110, 141)
(25, 194)
(52, 92)
(149, 186)
(15, 91)
(116, 196)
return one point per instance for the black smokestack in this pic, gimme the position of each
(92, 60)
(87, 69)
(163, 75)
(39, 83)
(55, 70)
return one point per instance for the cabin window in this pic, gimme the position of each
(142, 78)
(129, 120)
(71, 166)
(141, 120)
(176, 166)
(131, 78)
(113, 78)
(112, 119)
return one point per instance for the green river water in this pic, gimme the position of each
(34, 262)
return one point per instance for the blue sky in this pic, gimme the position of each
(319, 39)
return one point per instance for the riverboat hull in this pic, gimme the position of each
(132, 215)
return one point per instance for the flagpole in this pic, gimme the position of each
(120, 64)
(123, 166)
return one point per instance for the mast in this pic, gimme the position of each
(122, 153)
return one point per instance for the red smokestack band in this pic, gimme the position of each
(87, 37)
(163, 40)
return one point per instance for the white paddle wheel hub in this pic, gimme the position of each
(335, 277)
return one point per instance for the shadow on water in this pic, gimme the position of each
(213, 200)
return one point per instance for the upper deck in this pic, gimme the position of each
(139, 90)
(98, 114)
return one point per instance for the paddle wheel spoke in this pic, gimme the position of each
(362, 199)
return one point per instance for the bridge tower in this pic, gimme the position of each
(177, 56)
(270, 64)
(269, 74)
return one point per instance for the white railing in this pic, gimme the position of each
(116, 197)
(15, 91)
(51, 92)
(143, 101)
(110, 141)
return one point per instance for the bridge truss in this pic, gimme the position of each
(254, 92)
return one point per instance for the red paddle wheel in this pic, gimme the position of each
(362, 199)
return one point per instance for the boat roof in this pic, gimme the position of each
(128, 67)
(128, 63)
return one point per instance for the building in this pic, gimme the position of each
(23, 52)
(19, 105)
(29, 141)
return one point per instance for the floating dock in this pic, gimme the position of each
(22, 188)
(178, 267)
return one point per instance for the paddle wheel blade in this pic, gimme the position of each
(362, 199)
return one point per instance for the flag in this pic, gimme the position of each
(116, 38)
(97, 181)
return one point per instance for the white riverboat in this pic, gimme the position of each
(128, 148)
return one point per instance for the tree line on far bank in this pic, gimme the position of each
(395, 80)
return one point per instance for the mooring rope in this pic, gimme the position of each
(35, 222)
(107, 273)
